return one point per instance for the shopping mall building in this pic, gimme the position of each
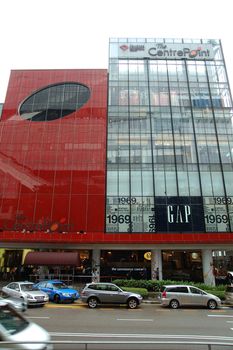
(127, 169)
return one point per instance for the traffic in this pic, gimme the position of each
(16, 303)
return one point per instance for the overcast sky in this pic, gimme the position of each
(46, 34)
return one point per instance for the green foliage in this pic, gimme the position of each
(150, 285)
(220, 288)
(155, 286)
(218, 293)
(142, 291)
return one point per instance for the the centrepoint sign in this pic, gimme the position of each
(166, 51)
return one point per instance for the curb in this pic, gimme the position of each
(150, 301)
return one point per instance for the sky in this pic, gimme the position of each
(65, 34)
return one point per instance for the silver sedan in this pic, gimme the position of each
(27, 291)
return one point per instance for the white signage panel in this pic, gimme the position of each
(166, 51)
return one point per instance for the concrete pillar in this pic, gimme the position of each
(95, 265)
(156, 264)
(207, 265)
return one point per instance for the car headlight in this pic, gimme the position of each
(29, 296)
(66, 294)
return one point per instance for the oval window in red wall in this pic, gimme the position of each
(54, 101)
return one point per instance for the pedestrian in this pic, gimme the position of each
(94, 275)
(12, 273)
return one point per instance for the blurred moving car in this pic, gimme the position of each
(229, 295)
(58, 291)
(176, 296)
(108, 293)
(18, 303)
(27, 291)
(14, 327)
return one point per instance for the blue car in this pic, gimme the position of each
(58, 291)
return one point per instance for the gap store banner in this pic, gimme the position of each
(169, 214)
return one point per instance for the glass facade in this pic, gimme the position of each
(169, 143)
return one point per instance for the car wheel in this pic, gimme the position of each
(212, 304)
(132, 303)
(174, 304)
(92, 302)
(56, 298)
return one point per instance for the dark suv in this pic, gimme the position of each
(108, 293)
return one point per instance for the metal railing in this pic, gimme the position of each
(88, 345)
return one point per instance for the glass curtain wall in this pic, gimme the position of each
(170, 145)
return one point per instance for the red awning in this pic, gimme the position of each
(52, 258)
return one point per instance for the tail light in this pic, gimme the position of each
(164, 294)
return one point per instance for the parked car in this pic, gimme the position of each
(18, 303)
(229, 295)
(58, 291)
(176, 296)
(16, 328)
(108, 293)
(27, 291)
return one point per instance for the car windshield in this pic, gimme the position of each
(12, 321)
(59, 285)
(28, 287)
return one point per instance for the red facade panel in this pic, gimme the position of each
(52, 173)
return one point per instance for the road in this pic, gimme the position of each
(149, 322)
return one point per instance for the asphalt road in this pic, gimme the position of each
(150, 322)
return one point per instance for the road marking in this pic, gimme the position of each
(136, 319)
(65, 306)
(219, 316)
(38, 317)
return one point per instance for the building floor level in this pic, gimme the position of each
(82, 265)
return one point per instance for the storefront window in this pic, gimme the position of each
(130, 264)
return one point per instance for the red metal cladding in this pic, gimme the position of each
(52, 173)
